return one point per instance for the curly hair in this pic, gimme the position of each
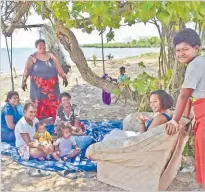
(64, 94)
(166, 99)
(188, 36)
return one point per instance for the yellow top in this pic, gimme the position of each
(193, 99)
(43, 137)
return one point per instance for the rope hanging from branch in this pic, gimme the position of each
(10, 60)
(103, 59)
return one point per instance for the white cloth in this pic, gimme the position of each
(23, 127)
(120, 134)
(65, 145)
(147, 162)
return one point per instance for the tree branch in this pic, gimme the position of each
(70, 43)
(24, 7)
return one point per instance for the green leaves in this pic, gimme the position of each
(116, 92)
(144, 83)
(146, 11)
(110, 35)
(99, 15)
(164, 17)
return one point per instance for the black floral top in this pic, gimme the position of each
(61, 115)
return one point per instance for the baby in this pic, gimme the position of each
(63, 145)
(43, 137)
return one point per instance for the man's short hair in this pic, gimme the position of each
(188, 36)
(122, 68)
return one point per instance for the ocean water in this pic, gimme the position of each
(20, 55)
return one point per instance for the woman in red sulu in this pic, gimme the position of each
(187, 44)
(43, 68)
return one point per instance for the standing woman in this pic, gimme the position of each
(187, 44)
(43, 68)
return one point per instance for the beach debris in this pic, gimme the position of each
(187, 169)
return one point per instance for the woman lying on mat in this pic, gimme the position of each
(160, 103)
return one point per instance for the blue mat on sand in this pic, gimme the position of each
(95, 132)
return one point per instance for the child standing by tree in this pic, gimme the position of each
(122, 77)
(187, 44)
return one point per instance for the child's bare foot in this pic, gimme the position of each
(41, 158)
(60, 161)
(65, 158)
(77, 150)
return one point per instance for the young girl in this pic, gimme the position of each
(63, 145)
(187, 44)
(160, 103)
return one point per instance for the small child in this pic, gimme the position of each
(122, 77)
(42, 137)
(63, 145)
(123, 86)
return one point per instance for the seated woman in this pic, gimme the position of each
(24, 133)
(69, 113)
(160, 103)
(10, 115)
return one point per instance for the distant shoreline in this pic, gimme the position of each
(98, 45)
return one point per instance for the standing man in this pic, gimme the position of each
(187, 44)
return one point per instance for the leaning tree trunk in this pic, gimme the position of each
(70, 43)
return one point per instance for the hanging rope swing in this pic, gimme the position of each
(10, 57)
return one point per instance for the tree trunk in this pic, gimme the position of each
(170, 32)
(70, 43)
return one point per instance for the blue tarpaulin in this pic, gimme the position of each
(95, 132)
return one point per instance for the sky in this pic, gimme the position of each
(26, 39)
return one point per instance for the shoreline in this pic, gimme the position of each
(150, 55)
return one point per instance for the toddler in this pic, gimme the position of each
(63, 145)
(43, 137)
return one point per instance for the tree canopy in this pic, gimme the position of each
(104, 16)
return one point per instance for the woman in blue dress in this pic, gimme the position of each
(10, 115)
(43, 68)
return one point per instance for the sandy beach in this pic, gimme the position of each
(14, 176)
